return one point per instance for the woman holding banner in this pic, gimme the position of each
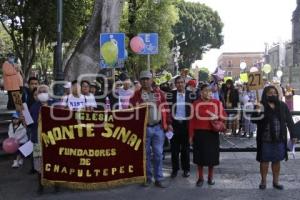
(271, 138)
(42, 100)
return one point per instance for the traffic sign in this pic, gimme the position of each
(119, 39)
(151, 43)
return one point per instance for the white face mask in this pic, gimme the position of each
(11, 60)
(43, 97)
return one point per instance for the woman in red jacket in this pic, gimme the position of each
(205, 140)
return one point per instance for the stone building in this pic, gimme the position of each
(230, 62)
(294, 68)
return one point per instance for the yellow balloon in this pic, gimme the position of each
(267, 68)
(109, 52)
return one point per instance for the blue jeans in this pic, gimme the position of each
(154, 141)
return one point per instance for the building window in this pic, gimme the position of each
(229, 73)
(229, 63)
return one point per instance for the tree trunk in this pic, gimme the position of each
(86, 57)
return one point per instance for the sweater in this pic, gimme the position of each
(19, 133)
(201, 115)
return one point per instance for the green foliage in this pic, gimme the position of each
(76, 15)
(140, 16)
(44, 61)
(28, 22)
(203, 74)
(6, 46)
(202, 27)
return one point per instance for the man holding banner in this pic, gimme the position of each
(158, 121)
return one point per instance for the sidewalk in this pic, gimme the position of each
(237, 177)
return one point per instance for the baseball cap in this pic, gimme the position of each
(15, 115)
(145, 74)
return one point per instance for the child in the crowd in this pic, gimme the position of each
(18, 131)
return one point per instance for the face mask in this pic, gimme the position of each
(272, 99)
(11, 60)
(189, 88)
(43, 97)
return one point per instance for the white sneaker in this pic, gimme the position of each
(20, 162)
(15, 164)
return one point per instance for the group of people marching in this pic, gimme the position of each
(187, 110)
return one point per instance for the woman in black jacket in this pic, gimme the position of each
(231, 100)
(271, 138)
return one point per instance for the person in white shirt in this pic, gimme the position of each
(75, 100)
(18, 131)
(125, 94)
(90, 98)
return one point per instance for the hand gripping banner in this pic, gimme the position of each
(90, 150)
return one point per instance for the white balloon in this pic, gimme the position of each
(253, 69)
(243, 65)
(279, 73)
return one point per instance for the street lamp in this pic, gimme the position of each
(176, 50)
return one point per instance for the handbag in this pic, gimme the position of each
(218, 125)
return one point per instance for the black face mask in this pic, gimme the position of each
(272, 99)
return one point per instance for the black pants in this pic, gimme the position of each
(180, 144)
(10, 102)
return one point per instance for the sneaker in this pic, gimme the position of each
(15, 164)
(21, 161)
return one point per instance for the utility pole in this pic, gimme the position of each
(58, 73)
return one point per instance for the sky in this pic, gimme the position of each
(249, 24)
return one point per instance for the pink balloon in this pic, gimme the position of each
(10, 145)
(137, 44)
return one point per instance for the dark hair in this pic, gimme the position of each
(84, 81)
(229, 81)
(177, 78)
(32, 78)
(264, 100)
(74, 82)
(9, 55)
(203, 86)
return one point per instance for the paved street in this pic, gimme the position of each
(236, 178)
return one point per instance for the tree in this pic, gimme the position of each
(202, 27)
(6, 45)
(86, 56)
(44, 61)
(150, 16)
(30, 21)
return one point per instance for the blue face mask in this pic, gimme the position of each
(11, 60)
